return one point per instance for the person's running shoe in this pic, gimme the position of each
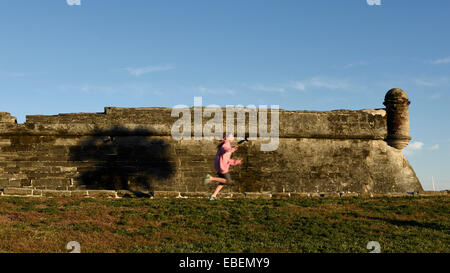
(207, 179)
(212, 198)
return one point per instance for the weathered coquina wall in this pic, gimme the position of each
(132, 148)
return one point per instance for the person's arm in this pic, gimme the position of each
(234, 162)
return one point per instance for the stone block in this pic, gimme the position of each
(79, 193)
(195, 194)
(6, 117)
(377, 195)
(68, 169)
(37, 192)
(316, 195)
(432, 193)
(15, 183)
(102, 193)
(365, 195)
(223, 195)
(330, 195)
(5, 142)
(399, 194)
(166, 194)
(281, 195)
(348, 194)
(300, 195)
(237, 195)
(257, 195)
(55, 193)
(18, 191)
(325, 195)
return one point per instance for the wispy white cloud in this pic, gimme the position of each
(308, 84)
(432, 81)
(351, 65)
(434, 147)
(435, 96)
(157, 93)
(9, 74)
(216, 91)
(139, 71)
(417, 146)
(265, 88)
(298, 86)
(422, 82)
(441, 61)
(135, 89)
(412, 147)
(87, 88)
(331, 84)
(323, 83)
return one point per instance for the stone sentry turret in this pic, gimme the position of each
(397, 104)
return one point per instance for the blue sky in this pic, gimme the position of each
(301, 55)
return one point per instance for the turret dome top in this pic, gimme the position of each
(396, 94)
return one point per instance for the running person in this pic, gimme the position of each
(222, 164)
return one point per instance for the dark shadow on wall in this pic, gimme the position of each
(120, 158)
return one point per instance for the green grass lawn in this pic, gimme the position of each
(402, 224)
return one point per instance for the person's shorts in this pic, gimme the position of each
(226, 176)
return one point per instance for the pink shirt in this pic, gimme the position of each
(223, 157)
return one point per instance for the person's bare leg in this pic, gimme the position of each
(218, 179)
(219, 187)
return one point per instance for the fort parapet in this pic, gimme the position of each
(132, 148)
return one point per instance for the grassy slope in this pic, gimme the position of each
(419, 224)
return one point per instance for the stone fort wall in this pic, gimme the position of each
(132, 149)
